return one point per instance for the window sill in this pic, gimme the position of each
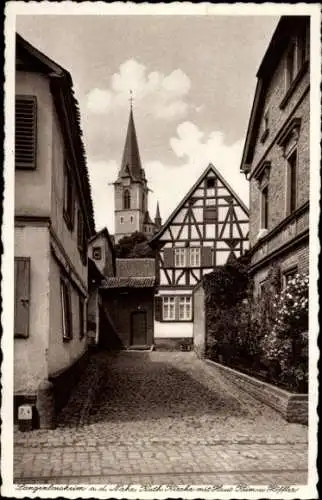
(293, 85)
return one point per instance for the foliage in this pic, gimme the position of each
(134, 246)
(225, 287)
(264, 335)
(287, 341)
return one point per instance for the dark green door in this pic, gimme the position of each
(138, 328)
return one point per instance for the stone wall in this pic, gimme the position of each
(293, 407)
(199, 321)
(173, 344)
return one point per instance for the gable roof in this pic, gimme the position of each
(29, 58)
(103, 232)
(210, 168)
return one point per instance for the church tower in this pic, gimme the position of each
(131, 190)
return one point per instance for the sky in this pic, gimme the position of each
(193, 80)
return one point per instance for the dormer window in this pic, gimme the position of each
(126, 199)
(291, 64)
(265, 126)
(296, 57)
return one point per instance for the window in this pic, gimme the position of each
(69, 202)
(180, 257)
(26, 132)
(210, 214)
(265, 129)
(121, 219)
(291, 190)
(66, 310)
(82, 316)
(81, 236)
(131, 219)
(168, 309)
(291, 69)
(288, 275)
(97, 253)
(126, 199)
(143, 202)
(185, 309)
(264, 287)
(297, 55)
(264, 208)
(194, 257)
(210, 183)
(177, 308)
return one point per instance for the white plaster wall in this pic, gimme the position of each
(32, 187)
(67, 238)
(168, 329)
(30, 354)
(62, 354)
(173, 291)
(98, 242)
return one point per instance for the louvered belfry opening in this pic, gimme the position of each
(26, 132)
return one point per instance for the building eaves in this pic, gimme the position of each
(61, 86)
(134, 282)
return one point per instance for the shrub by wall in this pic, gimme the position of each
(266, 336)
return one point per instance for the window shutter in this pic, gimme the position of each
(22, 296)
(206, 257)
(158, 308)
(168, 254)
(26, 132)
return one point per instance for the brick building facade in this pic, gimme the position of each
(276, 157)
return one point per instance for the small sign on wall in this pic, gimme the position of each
(25, 412)
(25, 417)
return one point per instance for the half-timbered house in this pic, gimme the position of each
(209, 226)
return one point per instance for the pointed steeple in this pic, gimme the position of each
(131, 161)
(157, 218)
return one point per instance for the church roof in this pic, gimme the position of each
(157, 212)
(131, 161)
(147, 218)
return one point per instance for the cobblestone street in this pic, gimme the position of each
(162, 418)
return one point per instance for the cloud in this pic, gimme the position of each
(197, 149)
(169, 182)
(99, 101)
(161, 95)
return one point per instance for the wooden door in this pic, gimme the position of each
(138, 328)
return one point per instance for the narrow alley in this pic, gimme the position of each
(162, 418)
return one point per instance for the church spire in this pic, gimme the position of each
(157, 218)
(131, 161)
